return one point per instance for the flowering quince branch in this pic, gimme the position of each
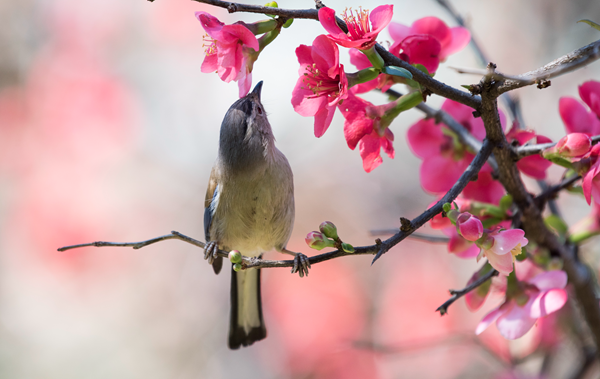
(527, 150)
(532, 220)
(415, 236)
(439, 115)
(570, 62)
(457, 294)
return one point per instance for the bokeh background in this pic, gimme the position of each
(108, 131)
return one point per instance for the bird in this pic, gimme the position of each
(249, 207)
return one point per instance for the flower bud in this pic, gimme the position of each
(272, 4)
(447, 207)
(237, 267)
(318, 241)
(328, 229)
(347, 247)
(573, 145)
(235, 256)
(469, 227)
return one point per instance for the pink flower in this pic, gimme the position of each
(419, 49)
(591, 179)
(383, 81)
(361, 34)
(576, 118)
(318, 241)
(445, 158)
(231, 53)
(500, 248)
(540, 296)
(572, 145)
(534, 166)
(363, 123)
(469, 226)
(416, 40)
(322, 84)
(459, 246)
(475, 299)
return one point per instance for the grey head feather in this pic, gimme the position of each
(246, 138)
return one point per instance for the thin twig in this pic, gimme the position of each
(425, 80)
(248, 262)
(550, 192)
(527, 150)
(457, 294)
(570, 62)
(445, 118)
(416, 236)
(475, 166)
(532, 221)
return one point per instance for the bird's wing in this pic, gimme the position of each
(210, 206)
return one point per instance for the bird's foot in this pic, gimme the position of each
(301, 265)
(211, 251)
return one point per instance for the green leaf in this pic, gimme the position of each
(590, 23)
(557, 224)
(288, 23)
(397, 71)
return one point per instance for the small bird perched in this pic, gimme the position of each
(249, 207)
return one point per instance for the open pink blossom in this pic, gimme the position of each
(419, 49)
(534, 166)
(322, 84)
(501, 247)
(540, 296)
(445, 158)
(576, 117)
(416, 40)
(231, 53)
(363, 27)
(363, 123)
(591, 179)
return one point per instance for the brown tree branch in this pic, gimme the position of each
(532, 220)
(527, 150)
(457, 294)
(574, 60)
(472, 170)
(425, 80)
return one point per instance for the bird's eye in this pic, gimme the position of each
(259, 109)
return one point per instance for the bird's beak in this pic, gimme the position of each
(257, 89)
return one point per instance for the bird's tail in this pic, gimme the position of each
(246, 324)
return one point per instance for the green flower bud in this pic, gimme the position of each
(237, 267)
(328, 229)
(447, 207)
(235, 256)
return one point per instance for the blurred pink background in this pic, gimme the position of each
(108, 131)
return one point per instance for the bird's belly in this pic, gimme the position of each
(261, 221)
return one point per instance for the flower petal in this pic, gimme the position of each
(460, 38)
(398, 32)
(506, 240)
(438, 174)
(590, 94)
(515, 322)
(488, 320)
(502, 263)
(549, 280)
(547, 302)
(327, 20)
(380, 17)
(576, 118)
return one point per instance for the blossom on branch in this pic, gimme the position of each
(527, 301)
(363, 123)
(445, 157)
(427, 41)
(232, 51)
(577, 119)
(500, 247)
(322, 84)
(534, 166)
(363, 27)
